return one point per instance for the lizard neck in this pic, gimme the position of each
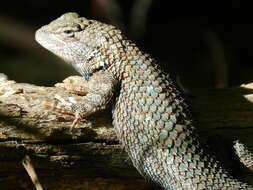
(129, 61)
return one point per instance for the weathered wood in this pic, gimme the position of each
(225, 112)
(91, 153)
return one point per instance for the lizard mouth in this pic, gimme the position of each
(49, 41)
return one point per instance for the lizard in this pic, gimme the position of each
(150, 116)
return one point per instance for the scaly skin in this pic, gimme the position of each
(150, 117)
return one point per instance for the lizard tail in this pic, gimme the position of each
(245, 156)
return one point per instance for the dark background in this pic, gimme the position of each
(207, 43)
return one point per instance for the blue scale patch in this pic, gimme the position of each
(169, 125)
(156, 116)
(183, 167)
(145, 108)
(142, 101)
(135, 88)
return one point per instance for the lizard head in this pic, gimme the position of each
(88, 45)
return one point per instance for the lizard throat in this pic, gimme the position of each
(89, 70)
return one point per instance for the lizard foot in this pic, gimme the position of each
(70, 107)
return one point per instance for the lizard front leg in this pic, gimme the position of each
(101, 87)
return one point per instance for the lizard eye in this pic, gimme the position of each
(69, 31)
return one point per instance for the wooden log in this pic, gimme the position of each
(90, 156)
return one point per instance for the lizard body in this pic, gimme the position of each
(150, 117)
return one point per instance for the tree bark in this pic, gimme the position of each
(90, 156)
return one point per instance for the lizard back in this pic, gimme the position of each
(154, 124)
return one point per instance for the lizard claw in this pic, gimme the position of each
(71, 107)
(76, 120)
(78, 117)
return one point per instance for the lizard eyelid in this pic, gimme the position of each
(67, 31)
(70, 29)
